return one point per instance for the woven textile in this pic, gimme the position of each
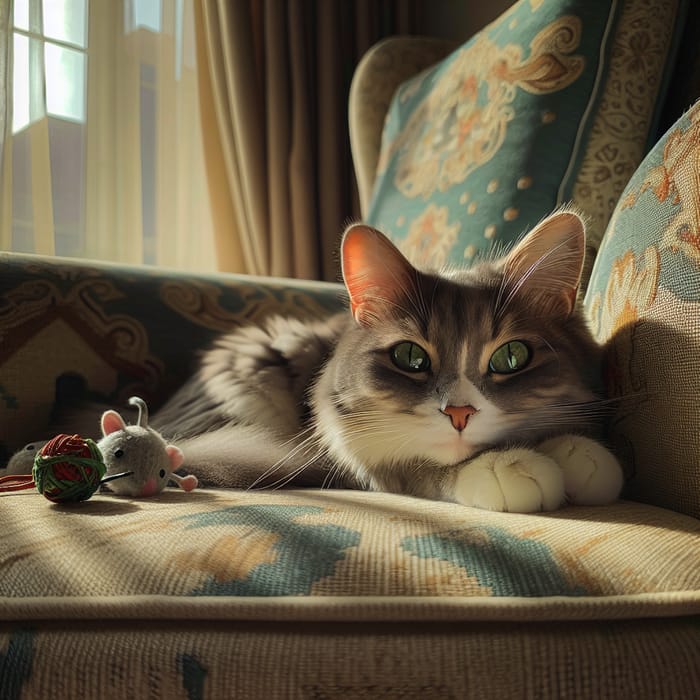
(553, 101)
(644, 303)
(106, 332)
(218, 543)
(332, 594)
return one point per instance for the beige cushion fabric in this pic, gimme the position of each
(644, 304)
(344, 594)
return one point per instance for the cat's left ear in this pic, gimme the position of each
(545, 267)
(377, 276)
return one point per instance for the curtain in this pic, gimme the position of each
(278, 76)
(5, 107)
(197, 134)
(103, 154)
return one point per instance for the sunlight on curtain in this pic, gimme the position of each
(104, 155)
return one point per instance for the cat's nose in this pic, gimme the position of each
(459, 415)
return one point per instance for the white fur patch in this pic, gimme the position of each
(515, 481)
(592, 474)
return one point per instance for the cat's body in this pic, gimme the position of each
(476, 386)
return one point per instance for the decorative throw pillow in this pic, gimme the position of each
(644, 304)
(552, 102)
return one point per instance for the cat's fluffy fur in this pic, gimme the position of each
(328, 401)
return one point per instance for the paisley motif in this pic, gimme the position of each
(463, 121)
(221, 307)
(430, 238)
(38, 302)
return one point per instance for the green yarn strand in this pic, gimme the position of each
(69, 477)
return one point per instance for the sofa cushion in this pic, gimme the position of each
(344, 591)
(644, 304)
(553, 101)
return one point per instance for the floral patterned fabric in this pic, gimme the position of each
(298, 594)
(554, 101)
(232, 544)
(644, 303)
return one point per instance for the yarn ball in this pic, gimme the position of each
(68, 469)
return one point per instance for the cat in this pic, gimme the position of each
(479, 386)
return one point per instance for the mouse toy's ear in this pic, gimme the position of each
(186, 483)
(175, 456)
(111, 422)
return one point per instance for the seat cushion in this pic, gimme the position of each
(553, 101)
(319, 593)
(644, 305)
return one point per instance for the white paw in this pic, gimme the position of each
(592, 474)
(516, 480)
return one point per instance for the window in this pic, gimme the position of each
(106, 150)
(49, 80)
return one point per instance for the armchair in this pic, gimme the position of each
(334, 593)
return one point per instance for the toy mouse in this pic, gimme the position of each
(23, 460)
(141, 450)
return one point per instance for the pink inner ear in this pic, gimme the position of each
(112, 422)
(375, 272)
(175, 455)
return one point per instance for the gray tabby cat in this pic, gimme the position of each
(479, 386)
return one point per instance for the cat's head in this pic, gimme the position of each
(439, 367)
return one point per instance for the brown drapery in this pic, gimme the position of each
(5, 39)
(274, 80)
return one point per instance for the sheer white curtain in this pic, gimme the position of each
(103, 141)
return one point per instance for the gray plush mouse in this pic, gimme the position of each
(22, 461)
(141, 450)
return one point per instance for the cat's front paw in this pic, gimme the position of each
(516, 480)
(592, 474)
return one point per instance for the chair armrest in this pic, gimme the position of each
(106, 332)
(382, 69)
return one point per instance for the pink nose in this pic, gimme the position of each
(149, 488)
(459, 415)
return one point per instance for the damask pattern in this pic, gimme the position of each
(644, 304)
(112, 332)
(463, 120)
(621, 129)
(554, 101)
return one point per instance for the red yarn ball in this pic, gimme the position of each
(68, 468)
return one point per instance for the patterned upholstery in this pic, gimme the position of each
(552, 102)
(118, 331)
(345, 594)
(644, 303)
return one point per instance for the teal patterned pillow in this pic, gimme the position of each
(644, 304)
(554, 101)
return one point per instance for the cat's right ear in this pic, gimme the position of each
(377, 276)
(545, 267)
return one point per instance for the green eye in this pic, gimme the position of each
(410, 357)
(509, 358)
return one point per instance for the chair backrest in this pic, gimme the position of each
(382, 69)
